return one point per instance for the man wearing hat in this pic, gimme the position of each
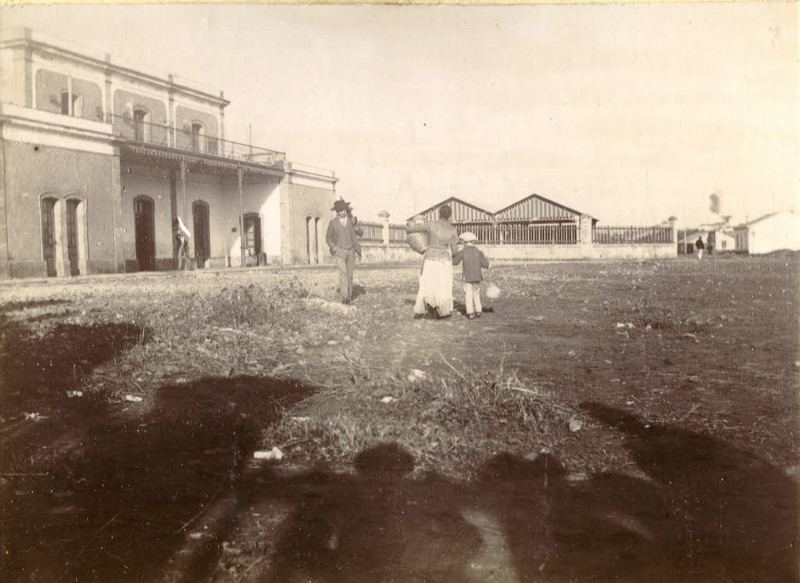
(342, 239)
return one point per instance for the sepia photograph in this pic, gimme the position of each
(400, 293)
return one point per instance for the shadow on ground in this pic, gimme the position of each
(91, 495)
(41, 362)
(161, 499)
(117, 502)
(358, 290)
(705, 512)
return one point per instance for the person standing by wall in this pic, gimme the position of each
(474, 260)
(182, 236)
(436, 276)
(342, 240)
(699, 245)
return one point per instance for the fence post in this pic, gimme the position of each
(384, 216)
(585, 234)
(673, 226)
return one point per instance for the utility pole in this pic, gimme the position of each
(241, 213)
(684, 230)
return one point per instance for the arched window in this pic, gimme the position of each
(309, 238)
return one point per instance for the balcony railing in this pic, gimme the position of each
(159, 135)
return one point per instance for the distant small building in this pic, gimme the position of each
(772, 232)
(725, 241)
(718, 234)
(687, 239)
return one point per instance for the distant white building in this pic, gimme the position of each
(726, 241)
(717, 234)
(769, 233)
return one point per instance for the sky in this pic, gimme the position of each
(631, 113)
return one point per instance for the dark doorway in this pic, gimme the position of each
(202, 235)
(144, 213)
(252, 239)
(49, 235)
(72, 236)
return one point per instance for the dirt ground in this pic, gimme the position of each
(128, 453)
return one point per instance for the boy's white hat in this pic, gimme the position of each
(468, 236)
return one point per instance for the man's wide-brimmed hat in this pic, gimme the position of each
(468, 237)
(340, 205)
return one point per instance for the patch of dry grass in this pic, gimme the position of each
(237, 329)
(452, 424)
(284, 325)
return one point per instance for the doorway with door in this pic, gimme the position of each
(252, 239)
(73, 236)
(49, 235)
(144, 225)
(202, 233)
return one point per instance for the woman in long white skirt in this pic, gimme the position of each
(436, 275)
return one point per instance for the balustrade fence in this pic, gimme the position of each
(522, 233)
(397, 233)
(526, 233)
(373, 232)
(631, 235)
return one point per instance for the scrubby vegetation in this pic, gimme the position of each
(133, 407)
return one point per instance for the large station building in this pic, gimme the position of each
(97, 159)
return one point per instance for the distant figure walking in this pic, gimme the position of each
(342, 239)
(436, 276)
(699, 245)
(182, 236)
(474, 260)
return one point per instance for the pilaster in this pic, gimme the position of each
(116, 212)
(384, 216)
(674, 228)
(5, 271)
(585, 231)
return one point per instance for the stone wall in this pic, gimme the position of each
(385, 252)
(398, 253)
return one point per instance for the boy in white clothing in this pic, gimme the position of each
(474, 260)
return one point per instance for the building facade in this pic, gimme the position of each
(772, 232)
(98, 159)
